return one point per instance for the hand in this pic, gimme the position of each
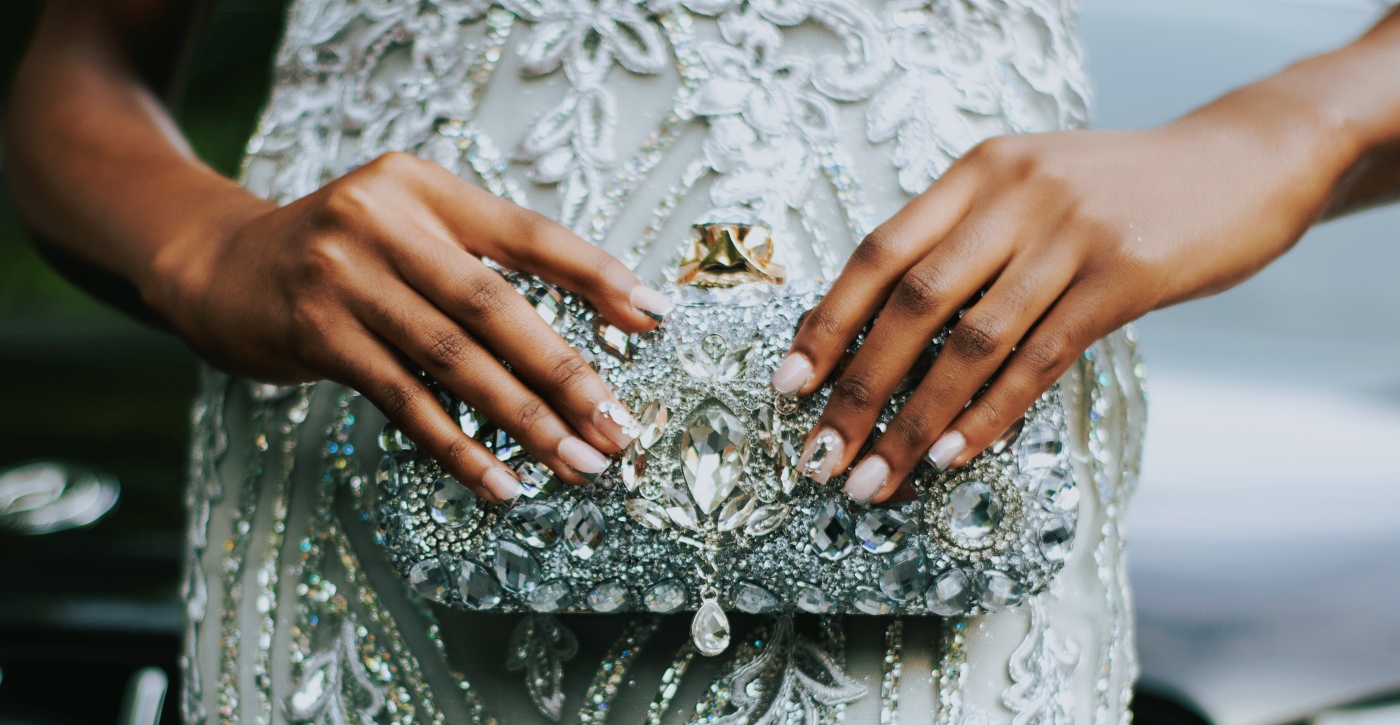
(1070, 235)
(382, 265)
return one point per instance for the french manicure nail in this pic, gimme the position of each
(617, 423)
(945, 449)
(795, 371)
(500, 482)
(867, 479)
(820, 457)
(653, 304)
(583, 458)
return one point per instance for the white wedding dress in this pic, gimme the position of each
(627, 120)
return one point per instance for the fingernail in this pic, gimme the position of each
(795, 371)
(653, 304)
(617, 423)
(501, 483)
(820, 456)
(945, 449)
(583, 458)
(867, 479)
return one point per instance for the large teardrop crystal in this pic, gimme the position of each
(714, 449)
(710, 629)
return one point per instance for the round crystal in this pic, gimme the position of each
(904, 579)
(973, 509)
(451, 503)
(387, 477)
(1040, 448)
(584, 530)
(665, 597)
(1057, 492)
(478, 589)
(1056, 539)
(429, 578)
(609, 596)
(871, 602)
(754, 599)
(832, 530)
(881, 531)
(536, 524)
(517, 570)
(811, 599)
(550, 596)
(950, 594)
(999, 591)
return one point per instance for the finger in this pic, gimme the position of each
(877, 264)
(975, 349)
(453, 358)
(491, 310)
(922, 302)
(530, 242)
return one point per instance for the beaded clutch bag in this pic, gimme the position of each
(707, 509)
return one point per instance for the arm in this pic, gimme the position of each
(1074, 234)
(379, 267)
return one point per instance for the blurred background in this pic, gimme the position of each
(1264, 534)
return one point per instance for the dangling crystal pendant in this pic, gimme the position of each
(710, 629)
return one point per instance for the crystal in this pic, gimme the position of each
(871, 602)
(478, 589)
(471, 421)
(505, 447)
(709, 630)
(609, 596)
(832, 530)
(1007, 436)
(973, 509)
(811, 599)
(1057, 492)
(785, 466)
(517, 570)
(736, 512)
(904, 579)
(653, 420)
(547, 301)
(634, 465)
(881, 531)
(754, 599)
(536, 479)
(451, 503)
(536, 524)
(1040, 448)
(733, 363)
(619, 344)
(714, 345)
(430, 578)
(392, 440)
(1056, 539)
(584, 530)
(648, 513)
(726, 255)
(665, 597)
(766, 519)
(695, 362)
(679, 508)
(550, 596)
(999, 591)
(714, 449)
(950, 594)
(769, 430)
(387, 477)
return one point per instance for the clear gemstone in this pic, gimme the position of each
(1007, 437)
(768, 430)
(871, 602)
(517, 570)
(832, 530)
(653, 422)
(695, 362)
(429, 578)
(505, 447)
(733, 363)
(451, 503)
(973, 509)
(785, 466)
(1056, 539)
(634, 465)
(536, 479)
(1040, 448)
(999, 591)
(1057, 492)
(736, 512)
(710, 629)
(648, 513)
(754, 599)
(550, 596)
(387, 476)
(584, 530)
(392, 440)
(680, 509)
(766, 519)
(811, 599)
(881, 531)
(665, 597)
(609, 596)
(547, 302)
(904, 579)
(535, 524)
(471, 421)
(950, 594)
(478, 589)
(714, 448)
(619, 344)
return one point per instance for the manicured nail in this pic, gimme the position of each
(820, 457)
(583, 458)
(867, 479)
(653, 304)
(795, 371)
(617, 423)
(503, 484)
(945, 449)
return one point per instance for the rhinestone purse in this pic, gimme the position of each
(706, 510)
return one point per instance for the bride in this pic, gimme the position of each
(926, 155)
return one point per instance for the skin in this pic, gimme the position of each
(1070, 234)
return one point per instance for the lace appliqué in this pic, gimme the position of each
(336, 685)
(1040, 669)
(792, 679)
(540, 646)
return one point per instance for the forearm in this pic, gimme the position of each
(96, 164)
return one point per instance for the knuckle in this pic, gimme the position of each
(348, 203)
(531, 413)
(920, 293)
(568, 371)
(822, 323)
(448, 349)
(976, 338)
(910, 430)
(856, 392)
(461, 450)
(396, 399)
(394, 163)
(878, 247)
(486, 297)
(1043, 358)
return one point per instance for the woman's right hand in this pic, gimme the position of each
(382, 267)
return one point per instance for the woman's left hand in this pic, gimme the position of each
(1070, 235)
